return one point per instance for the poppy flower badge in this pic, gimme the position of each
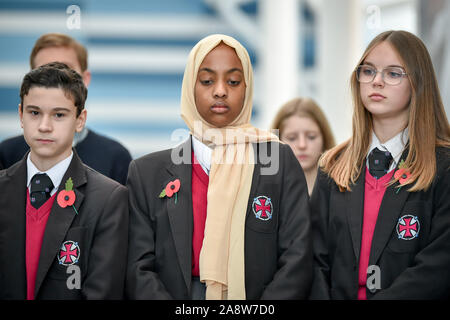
(402, 175)
(67, 197)
(171, 189)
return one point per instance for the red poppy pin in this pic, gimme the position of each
(402, 174)
(67, 197)
(171, 188)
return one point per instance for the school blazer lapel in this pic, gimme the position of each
(14, 230)
(181, 213)
(255, 178)
(355, 213)
(60, 220)
(390, 209)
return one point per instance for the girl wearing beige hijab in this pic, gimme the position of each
(232, 221)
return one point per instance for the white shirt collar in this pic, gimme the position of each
(55, 173)
(395, 146)
(203, 153)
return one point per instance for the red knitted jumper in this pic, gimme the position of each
(36, 220)
(200, 181)
(373, 195)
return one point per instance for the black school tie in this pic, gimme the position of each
(41, 186)
(379, 162)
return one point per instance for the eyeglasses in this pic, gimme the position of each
(391, 75)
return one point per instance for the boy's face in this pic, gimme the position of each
(49, 123)
(220, 86)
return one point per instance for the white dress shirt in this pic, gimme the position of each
(203, 153)
(55, 173)
(395, 146)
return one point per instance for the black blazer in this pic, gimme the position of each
(418, 268)
(100, 229)
(101, 153)
(278, 253)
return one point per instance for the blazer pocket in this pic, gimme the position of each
(410, 230)
(263, 206)
(73, 251)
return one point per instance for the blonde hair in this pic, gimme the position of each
(305, 107)
(50, 40)
(428, 124)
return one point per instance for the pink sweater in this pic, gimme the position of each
(373, 195)
(36, 221)
(200, 181)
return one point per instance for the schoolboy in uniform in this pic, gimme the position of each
(63, 226)
(101, 153)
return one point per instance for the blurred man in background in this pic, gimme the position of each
(103, 154)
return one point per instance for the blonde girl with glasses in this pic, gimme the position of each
(381, 205)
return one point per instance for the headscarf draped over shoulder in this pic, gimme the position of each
(222, 263)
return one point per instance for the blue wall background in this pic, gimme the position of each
(137, 53)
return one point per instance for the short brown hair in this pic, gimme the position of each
(50, 40)
(305, 107)
(56, 75)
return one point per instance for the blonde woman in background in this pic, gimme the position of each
(304, 127)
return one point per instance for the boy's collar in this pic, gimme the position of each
(55, 173)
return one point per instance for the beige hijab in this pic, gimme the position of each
(222, 266)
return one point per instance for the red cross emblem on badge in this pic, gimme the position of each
(408, 227)
(262, 208)
(69, 253)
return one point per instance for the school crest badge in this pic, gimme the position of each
(408, 227)
(69, 253)
(262, 208)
